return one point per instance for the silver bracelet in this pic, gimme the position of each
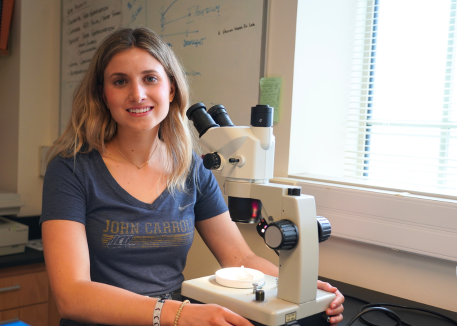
(157, 312)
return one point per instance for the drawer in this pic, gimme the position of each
(34, 315)
(23, 290)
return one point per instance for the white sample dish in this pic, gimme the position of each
(239, 277)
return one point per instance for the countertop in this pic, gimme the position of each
(30, 256)
(416, 318)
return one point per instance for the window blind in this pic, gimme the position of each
(402, 119)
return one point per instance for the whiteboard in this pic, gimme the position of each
(221, 44)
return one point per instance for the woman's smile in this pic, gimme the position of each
(141, 110)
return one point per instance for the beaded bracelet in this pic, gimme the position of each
(178, 313)
(157, 312)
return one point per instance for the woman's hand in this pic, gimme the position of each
(210, 314)
(336, 307)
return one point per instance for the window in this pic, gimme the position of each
(327, 107)
(393, 103)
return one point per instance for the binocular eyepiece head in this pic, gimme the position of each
(201, 119)
(261, 116)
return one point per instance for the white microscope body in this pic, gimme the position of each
(245, 156)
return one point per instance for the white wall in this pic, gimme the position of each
(39, 95)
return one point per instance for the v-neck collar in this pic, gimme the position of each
(121, 191)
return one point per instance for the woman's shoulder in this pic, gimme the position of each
(74, 162)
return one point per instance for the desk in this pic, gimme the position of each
(29, 256)
(416, 318)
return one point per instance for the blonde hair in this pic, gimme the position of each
(91, 124)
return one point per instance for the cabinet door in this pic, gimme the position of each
(53, 313)
(34, 315)
(22, 290)
(10, 315)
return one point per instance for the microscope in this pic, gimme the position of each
(284, 217)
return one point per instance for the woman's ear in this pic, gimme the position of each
(101, 93)
(172, 90)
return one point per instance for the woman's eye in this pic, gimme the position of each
(119, 82)
(151, 79)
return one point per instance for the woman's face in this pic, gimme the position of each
(137, 90)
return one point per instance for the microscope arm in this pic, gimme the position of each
(298, 266)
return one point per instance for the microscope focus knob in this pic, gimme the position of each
(281, 235)
(324, 228)
(212, 161)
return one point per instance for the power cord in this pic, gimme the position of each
(369, 307)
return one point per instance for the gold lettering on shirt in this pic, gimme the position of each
(107, 226)
(157, 228)
(166, 226)
(123, 234)
(124, 228)
(175, 226)
(134, 228)
(182, 224)
(114, 223)
(147, 231)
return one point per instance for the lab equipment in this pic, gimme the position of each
(244, 156)
(13, 237)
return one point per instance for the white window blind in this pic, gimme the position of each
(402, 117)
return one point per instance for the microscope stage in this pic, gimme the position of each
(271, 312)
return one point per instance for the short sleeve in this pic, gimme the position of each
(63, 191)
(210, 201)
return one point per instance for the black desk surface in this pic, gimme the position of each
(351, 306)
(30, 256)
(416, 318)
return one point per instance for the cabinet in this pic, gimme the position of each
(25, 295)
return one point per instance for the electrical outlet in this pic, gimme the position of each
(43, 151)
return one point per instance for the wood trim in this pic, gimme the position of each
(5, 24)
(20, 270)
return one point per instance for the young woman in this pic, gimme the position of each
(124, 192)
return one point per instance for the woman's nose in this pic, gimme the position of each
(137, 93)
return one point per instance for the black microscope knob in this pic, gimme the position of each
(212, 161)
(259, 295)
(324, 228)
(281, 235)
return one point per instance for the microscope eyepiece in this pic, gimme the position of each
(201, 119)
(220, 116)
(262, 116)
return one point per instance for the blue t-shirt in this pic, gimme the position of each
(133, 245)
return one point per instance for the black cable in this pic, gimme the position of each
(365, 321)
(387, 311)
(390, 313)
(410, 308)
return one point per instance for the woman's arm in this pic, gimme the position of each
(77, 297)
(80, 299)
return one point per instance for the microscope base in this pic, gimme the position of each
(271, 312)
